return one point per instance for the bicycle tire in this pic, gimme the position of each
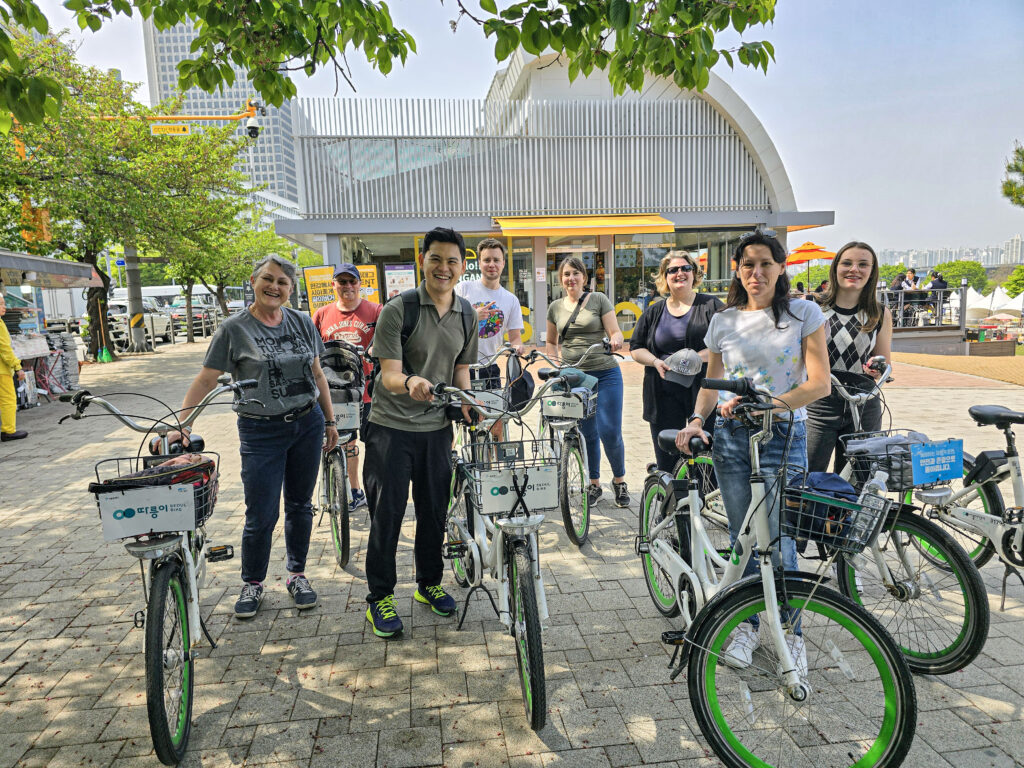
(572, 491)
(169, 664)
(712, 510)
(526, 633)
(458, 509)
(939, 616)
(659, 582)
(337, 507)
(978, 548)
(862, 706)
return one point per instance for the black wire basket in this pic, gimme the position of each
(125, 474)
(841, 524)
(886, 450)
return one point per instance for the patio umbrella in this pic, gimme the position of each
(1001, 317)
(807, 253)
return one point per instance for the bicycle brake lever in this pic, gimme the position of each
(251, 401)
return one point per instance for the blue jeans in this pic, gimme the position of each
(276, 455)
(606, 424)
(731, 456)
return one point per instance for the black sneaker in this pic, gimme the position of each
(383, 617)
(440, 602)
(303, 594)
(249, 601)
(594, 492)
(621, 494)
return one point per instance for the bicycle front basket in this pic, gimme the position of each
(835, 522)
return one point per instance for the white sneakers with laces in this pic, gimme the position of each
(740, 653)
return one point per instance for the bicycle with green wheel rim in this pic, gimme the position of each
(157, 506)
(824, 676)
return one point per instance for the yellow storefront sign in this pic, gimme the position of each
(369, 288)
(319, 286)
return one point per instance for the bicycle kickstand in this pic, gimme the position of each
(465, 605)
(1008, 569)
(202, 623)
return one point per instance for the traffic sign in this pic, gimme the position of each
(119, 262)
(171, 129)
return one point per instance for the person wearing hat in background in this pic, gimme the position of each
(10, 366)
(351, 319)
(669, 340)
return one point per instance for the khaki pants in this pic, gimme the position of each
(8, 403)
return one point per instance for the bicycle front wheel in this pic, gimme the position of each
(861, 709)
(572, 491)
(659, 581)
(527, 633)
(337, 506)
(935, 607)
(169, 664)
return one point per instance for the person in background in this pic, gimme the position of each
(10, 366)
(574, 323)
(857, 328)
(800, 292)
(352, 319)
(822, 288)
(279, 442)
(938, 287)
(897, 283)
(409, 441)
(497, 310)
(778, 343)
(678, 322)
(909, 282)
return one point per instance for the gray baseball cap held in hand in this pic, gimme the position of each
(683, 366)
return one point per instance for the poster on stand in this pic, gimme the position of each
(369, 288)
(319, 286)
(399, 277)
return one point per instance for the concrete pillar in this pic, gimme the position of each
(332, 250)
(539, 313)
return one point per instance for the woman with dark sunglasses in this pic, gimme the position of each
(678, 322)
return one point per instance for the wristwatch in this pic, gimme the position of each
(695, 416)
(329, 422)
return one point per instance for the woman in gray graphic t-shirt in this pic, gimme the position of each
(280, 441)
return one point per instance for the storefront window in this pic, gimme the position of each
(523, 286)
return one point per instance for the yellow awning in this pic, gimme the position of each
(559, 226)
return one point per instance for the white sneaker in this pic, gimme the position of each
(740, 653)
(799, 653)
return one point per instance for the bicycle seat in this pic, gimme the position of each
(546, 373)
(997, 415)
(667, 441)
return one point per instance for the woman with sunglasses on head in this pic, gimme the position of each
(679, 321)
(778, 343)
(857, 328)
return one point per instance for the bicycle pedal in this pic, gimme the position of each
(453, 550)
(641, 545)
(220, 552)
(673, 637)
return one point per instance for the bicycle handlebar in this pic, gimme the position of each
(505, 349)
(741, 387)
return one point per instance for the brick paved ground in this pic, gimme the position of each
(319, 690)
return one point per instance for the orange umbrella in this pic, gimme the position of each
(807, 253)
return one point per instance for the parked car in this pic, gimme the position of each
(154, 320)
(205, 314)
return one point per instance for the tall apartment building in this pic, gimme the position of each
(271, 159)
(1012, 251)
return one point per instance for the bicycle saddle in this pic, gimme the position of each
(667, 443)
(546, 373)
(998, 415)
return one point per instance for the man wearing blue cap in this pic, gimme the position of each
(352, 319)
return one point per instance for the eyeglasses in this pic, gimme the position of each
(679, 268)
(756, 232)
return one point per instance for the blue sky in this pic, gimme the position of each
(899, 116)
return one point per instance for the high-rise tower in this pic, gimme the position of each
(271, 159)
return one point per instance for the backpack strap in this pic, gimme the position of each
(470, 322)
(411, 316)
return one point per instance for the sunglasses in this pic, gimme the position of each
(349, 281)
(679, 268)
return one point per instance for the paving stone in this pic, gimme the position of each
(478, 754)
(594, 727)
(354, 750)
(282, 742)
(409, 747)
(374, 713)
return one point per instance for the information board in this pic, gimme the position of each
(937, 462)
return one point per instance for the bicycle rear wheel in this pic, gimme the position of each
(861, 709)
(936, 609)
(336, 477)
(984, 498)
(652, 513)
(712, 510)
(527, 633)
(572, 491)
(169, 664)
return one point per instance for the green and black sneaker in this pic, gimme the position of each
(383, 617)
(440, 602)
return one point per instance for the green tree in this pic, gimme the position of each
(954, 271)
(626, 38)
(1014, 285)
(1013, 184)
(110, 181)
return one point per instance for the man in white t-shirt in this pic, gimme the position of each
(498, 310)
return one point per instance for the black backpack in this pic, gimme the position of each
(411, 315)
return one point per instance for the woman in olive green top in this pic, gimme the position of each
(569, 334)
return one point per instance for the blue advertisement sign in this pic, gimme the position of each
(937, 462)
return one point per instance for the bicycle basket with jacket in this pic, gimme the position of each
(343, 368)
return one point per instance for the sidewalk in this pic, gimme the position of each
(319, 690)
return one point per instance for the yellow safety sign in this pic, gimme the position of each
(172, 129)
(137, 320)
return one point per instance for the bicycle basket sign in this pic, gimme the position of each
(498, 494)
(154, 509)
(937, 462)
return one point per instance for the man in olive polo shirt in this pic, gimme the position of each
(406, 439)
